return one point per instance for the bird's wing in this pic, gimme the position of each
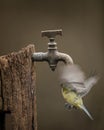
(90, 82)
(83, 89)
(71, 73)
(74, 78)
(79, 88)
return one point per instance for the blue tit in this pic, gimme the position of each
(75, 85)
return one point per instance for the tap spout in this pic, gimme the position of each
(52, 57)
(64, 57)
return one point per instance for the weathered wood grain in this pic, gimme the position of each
(18, 89)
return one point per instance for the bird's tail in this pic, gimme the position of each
(86, 111)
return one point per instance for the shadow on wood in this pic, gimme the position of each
(18, 89)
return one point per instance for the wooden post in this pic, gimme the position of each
(18, 89)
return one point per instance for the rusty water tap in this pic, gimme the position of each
(52, 56)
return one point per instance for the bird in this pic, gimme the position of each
(75, 85)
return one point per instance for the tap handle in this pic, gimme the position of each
(51, 33)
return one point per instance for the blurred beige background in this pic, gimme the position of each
(21, 22)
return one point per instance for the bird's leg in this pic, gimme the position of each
(68, 106)
(74, 107)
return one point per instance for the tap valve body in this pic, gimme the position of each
(52, 56)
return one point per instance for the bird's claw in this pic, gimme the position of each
(69, 106)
